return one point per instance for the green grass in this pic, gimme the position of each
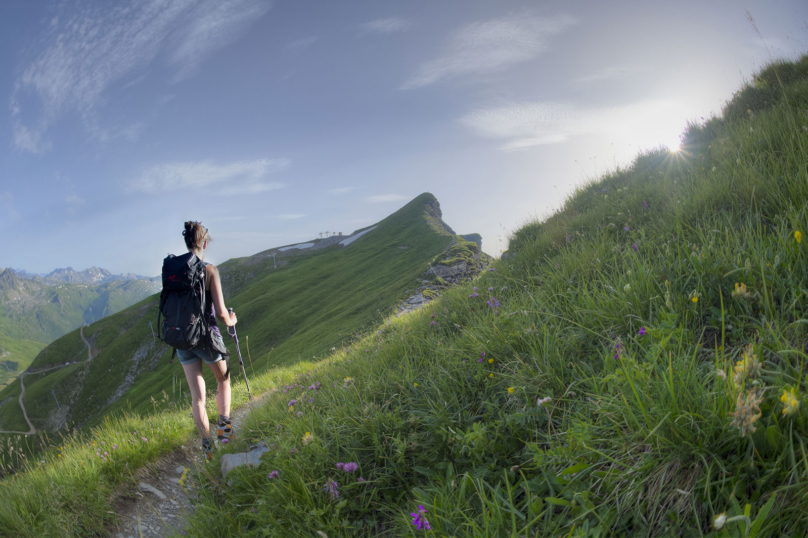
(21, 354)
(622, 309)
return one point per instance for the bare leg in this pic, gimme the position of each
(223, 389)
(196, 383)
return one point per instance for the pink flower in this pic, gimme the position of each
(114, 447)
(273, 474)
(350, 467)
(340, 466)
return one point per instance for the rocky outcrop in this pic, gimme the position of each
(440, 277)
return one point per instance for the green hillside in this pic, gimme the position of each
(33, 313)
(306, 306)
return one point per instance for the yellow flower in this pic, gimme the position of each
(790, 402)
(741, 291)
(510, 390)
(291, 408)
(490, 375)
(415, 384)
(695, 300)
(490, 361)
(798, 236)
(308, 438)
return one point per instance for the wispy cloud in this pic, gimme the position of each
(83, 52)
(385, 26)
(7, 205)
(382, 198)
(524, 125)
(291, 216)
(241, 177)
(73, 203)
(610, 73)
(300, 44)
(488, 46)
(341, 190)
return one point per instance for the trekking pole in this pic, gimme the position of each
(241, 362)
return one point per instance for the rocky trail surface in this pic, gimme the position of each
(159, 501)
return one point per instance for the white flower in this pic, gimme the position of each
(543, 401)
(719, 521)
(627, 288)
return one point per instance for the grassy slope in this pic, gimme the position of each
(622, 309)
(21, 354)
(300, 310)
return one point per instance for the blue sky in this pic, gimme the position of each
(274, 121)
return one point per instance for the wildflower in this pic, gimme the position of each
(721, 373)
(433, 323)
(360, 479)
(308, 438)
(340, 466)
(490, 269)
(490, 361)
(510, 390)
(493, 303)
(292, 409)
(719, 521)
(798, 236)
(490, 375)
(473, 295)
(694, 296)
(350, 467)
(347, 380)
(300, 414)
(331, 488)
(419, 520)
(790, 402)
(145, 440)
(627, 288)
(292, 403)
(293, 451)
(543, 401)
(491, 288)
(625, 228)
(645, 204)
(635, 247)
(482, 356)
(274, 474)
(740, 291)
(415, 384)
(432, 316)
(642, 331)
(747, 411)
(115, 447)
(748, 367)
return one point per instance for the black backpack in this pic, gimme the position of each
(182, 303)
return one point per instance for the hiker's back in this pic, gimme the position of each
(183, 302)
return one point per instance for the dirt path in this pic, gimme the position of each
(158, 505)
(33, 430)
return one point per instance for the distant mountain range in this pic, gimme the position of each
(93, 275)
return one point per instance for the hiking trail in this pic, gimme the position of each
(32, 430)
(157, 504)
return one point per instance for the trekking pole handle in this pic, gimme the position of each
(233, 334)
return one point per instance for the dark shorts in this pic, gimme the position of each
(210, 356)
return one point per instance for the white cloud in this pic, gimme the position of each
(81, 54)
(610, 73)
(7, 205)
(241, 177)
(291, 216)
(647, 123)
(488, 46)
(341, 190)
(73, 203)
(382, 198)
(300, 44)
(385, 26)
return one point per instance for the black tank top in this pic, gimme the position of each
(210, 310)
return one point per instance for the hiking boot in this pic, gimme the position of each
(207, 448)
(225, 433)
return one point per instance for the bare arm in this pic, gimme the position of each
(217, 297)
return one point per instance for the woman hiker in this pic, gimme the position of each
(196, 239)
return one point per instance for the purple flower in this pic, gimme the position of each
(432, 316)
(293, 451)
(273, 474)
(292, 402)
(433, 322)
(617, 351)
(491, 289)
(300, 414)
(635, 247)
(625, 227)
(493, 303)
(340, 466)
(645, 204)
(331, 488)
(350, 467)
(312, 387)
(490, 268)
(360, 479)
(474, 288)
(473, 295)
(642, 331)
(482, 356)
(419, 520)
